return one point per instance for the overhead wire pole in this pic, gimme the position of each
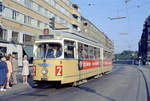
(127, 15)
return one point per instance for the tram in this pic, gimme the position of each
(65, 57)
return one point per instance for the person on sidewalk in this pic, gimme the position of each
(9, 65)
(25, 70)
(14, 63)
(3, 73)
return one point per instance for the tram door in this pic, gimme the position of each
(71, 56)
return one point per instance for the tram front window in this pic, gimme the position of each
(49, 50)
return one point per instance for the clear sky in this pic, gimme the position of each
(125, 33)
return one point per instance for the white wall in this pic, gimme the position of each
(14, 48)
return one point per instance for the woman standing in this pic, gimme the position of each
(3, 73)
(25, 70)
(9, 71)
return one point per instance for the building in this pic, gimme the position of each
(22, 20)
(89, 30)
(144, 43)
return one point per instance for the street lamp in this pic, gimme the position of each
(115, 18)
(126, 1)
(91, 4)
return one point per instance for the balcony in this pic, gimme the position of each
(75, 16)
(75, 22)
(76, 12)
(75, 6)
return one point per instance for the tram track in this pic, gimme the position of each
(146, 83)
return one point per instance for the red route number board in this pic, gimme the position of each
(58, 70)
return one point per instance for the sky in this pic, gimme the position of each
(125, 33)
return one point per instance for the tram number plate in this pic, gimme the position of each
(44, 79)
(58, 70)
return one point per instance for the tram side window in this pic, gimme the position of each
(85, 52)
(107, 55)
(69, 49)
(110, 55)
(80, 50)
(91, 52)
(97, 53)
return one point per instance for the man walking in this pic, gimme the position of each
(14, 68)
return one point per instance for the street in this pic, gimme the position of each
(124, 83)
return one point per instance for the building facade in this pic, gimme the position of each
(22, 20)
(144, 43)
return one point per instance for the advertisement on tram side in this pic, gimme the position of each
(88, 64)
(107, 63)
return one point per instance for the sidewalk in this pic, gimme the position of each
(20, 87)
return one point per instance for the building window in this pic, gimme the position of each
(14, 15)
(27, 19)
(1, 7)
(35, 6)
(75, 6)
(3, 50)
(75, 27)
(39, 24)
(39, 8)
(27, 39)
(85, 24)
(3, 34)
(21, 1)
(75, 16)
(28, 3)
(15, 37)
(7, 12)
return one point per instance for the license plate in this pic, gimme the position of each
(44, 79)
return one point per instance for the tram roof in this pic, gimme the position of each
(75, 36)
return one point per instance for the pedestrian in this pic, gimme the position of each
(9, 65)
(25, 70)
(14, 63)
(3, 73)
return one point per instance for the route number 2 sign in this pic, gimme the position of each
(58, 70)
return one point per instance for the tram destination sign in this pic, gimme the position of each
(46, 36)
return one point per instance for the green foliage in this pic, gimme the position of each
(126, 55)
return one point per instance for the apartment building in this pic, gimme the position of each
(22, 20)
(144, 43)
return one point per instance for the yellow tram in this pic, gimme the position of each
(66, 57)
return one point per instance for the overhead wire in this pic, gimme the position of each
(136, 6)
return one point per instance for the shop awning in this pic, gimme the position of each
(29, 50)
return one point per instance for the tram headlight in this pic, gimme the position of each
(44, 71)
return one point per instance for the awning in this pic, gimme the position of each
(29, 50)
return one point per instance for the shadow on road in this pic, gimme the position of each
(129, 62)
(94, 92)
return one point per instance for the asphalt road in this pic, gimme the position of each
(124, 83)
